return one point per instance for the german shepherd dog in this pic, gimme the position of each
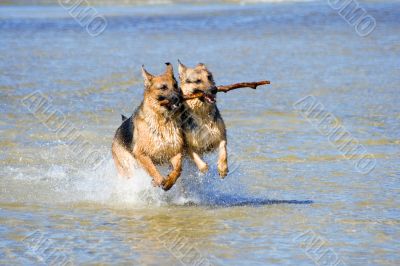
(204, 131)
(153, 134)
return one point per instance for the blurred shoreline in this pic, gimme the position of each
(165, 2)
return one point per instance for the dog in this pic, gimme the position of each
(153, 134)
(203, 129)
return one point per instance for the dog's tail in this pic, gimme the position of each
(123, 117)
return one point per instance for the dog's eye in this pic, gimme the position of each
(209, 77)
(164, 87)
(188, 81)
(198, 81)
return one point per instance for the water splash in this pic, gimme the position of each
(66, 184)
(104, 186)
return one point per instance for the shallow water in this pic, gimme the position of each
(291, 197)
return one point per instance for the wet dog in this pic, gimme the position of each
(153, 134)
(204, 129)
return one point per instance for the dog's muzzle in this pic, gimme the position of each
(210, 95)
(175, 101)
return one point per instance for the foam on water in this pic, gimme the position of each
(104, 186)
(66, 184)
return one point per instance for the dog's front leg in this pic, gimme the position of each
(223, 159)
(176, 163)
(201, 165)
(146, 162)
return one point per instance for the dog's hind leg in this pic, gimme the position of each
(223, 159)
(124, 161)
(176, 163)
(201, 165)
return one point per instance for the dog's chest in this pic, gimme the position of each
(166, 139)
(204, 134)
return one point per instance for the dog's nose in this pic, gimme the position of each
(214, 90)
(175, 100)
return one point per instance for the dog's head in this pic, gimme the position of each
(162, 92)
(198, 79)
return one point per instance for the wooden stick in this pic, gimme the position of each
(164, 102)
(225, 88)
(185, 98)
(252, 85)
(193, 96)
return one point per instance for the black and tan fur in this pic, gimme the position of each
(152, 135)
(204, 129)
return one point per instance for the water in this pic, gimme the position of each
(290, 188)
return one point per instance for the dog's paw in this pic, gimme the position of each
(157, 183)
(223, 170)
(204, 168)
(167, 184)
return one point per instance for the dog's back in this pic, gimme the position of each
(122, 146)
(124, 134)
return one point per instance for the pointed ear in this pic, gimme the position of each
(201, 66)
(147, 77)
(169, 70)
(181, 69)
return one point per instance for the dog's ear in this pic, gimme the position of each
(201, 66)
(123, 117)
(169, 70)
(181, 69)
(147, 77)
